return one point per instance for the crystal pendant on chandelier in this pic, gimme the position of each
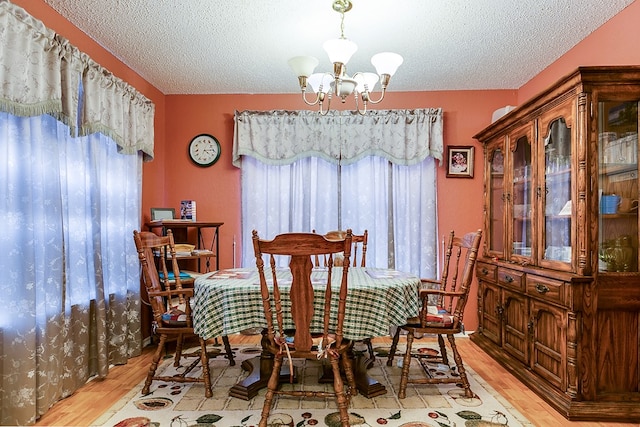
(338, 82)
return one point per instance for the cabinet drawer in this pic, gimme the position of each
(511, 279)
(486, 272)
(546, 289)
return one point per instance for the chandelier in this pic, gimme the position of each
(339, 83)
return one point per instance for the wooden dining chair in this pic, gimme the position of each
(286, 343)
(359, 245)
(171, 306)
(442, 311)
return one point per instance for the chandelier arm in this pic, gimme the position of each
(318, 99)
(384, 82)
(376, 101)
(364, 103)
(323, 112)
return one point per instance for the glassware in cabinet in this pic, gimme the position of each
(618, 186)
(495, 241)
(521, 196)
(557, 188)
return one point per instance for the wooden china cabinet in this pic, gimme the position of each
(559, 287)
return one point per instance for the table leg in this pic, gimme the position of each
(367, 386)
(258, 378)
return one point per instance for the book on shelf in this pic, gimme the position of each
(188, 210)
(201, 252)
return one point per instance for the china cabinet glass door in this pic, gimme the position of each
(618, 184)
(557, 197)
(521, 221)
(496, 194)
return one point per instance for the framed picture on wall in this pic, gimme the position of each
(460, 161)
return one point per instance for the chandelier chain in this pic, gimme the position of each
(342, 6)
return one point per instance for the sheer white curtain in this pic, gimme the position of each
(378, 175)
(70, 283)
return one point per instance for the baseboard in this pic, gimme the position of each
(146, 342)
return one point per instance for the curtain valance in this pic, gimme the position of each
(41, 72)
(404, 137)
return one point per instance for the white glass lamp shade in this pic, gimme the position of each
(318, 79)
(346, 86)
(370, 79)
(386, 62)
(340, 50)
(303, 65)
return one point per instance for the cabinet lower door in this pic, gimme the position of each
(515, 320)
(490, 312)
(548, 342)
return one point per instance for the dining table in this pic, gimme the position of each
(229, 301)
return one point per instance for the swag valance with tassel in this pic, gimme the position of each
(41, 74)
(404, 137)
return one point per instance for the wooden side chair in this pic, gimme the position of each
(359, 245)
(171, 307)
(443, 303)
(284, 343)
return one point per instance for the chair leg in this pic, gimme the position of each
(272, 386)
(406, 363)
(443, 350)
(394, 347)
(154, 364)
(206, 375)
(347, 367)
(227, 349)
(463, 373)
(341, 398)
(178, 356)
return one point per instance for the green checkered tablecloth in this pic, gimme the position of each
(376, 299)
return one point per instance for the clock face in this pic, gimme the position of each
(204, 150)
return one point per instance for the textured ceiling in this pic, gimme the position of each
(242, 46)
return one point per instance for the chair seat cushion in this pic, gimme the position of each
(439, 317)
(171, 276)
(174, 317)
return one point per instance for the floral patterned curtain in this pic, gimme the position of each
(41, 72)
(302, 171)
(69, 199)
(404, 137)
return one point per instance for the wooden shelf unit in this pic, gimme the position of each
(180, 230)
(555, 314)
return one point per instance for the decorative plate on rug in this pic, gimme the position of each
(153, 403)
(425, 351)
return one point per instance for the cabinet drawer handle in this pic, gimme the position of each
(508, 278)
(485, 271)
(543, 289)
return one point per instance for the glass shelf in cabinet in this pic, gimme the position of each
(619, 215)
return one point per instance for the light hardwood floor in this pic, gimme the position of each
(88, 403)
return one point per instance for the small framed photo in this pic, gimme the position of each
(460, 161)
(162, 213)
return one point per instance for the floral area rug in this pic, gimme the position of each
(184, 405)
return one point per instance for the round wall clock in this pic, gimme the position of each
(204, 150)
